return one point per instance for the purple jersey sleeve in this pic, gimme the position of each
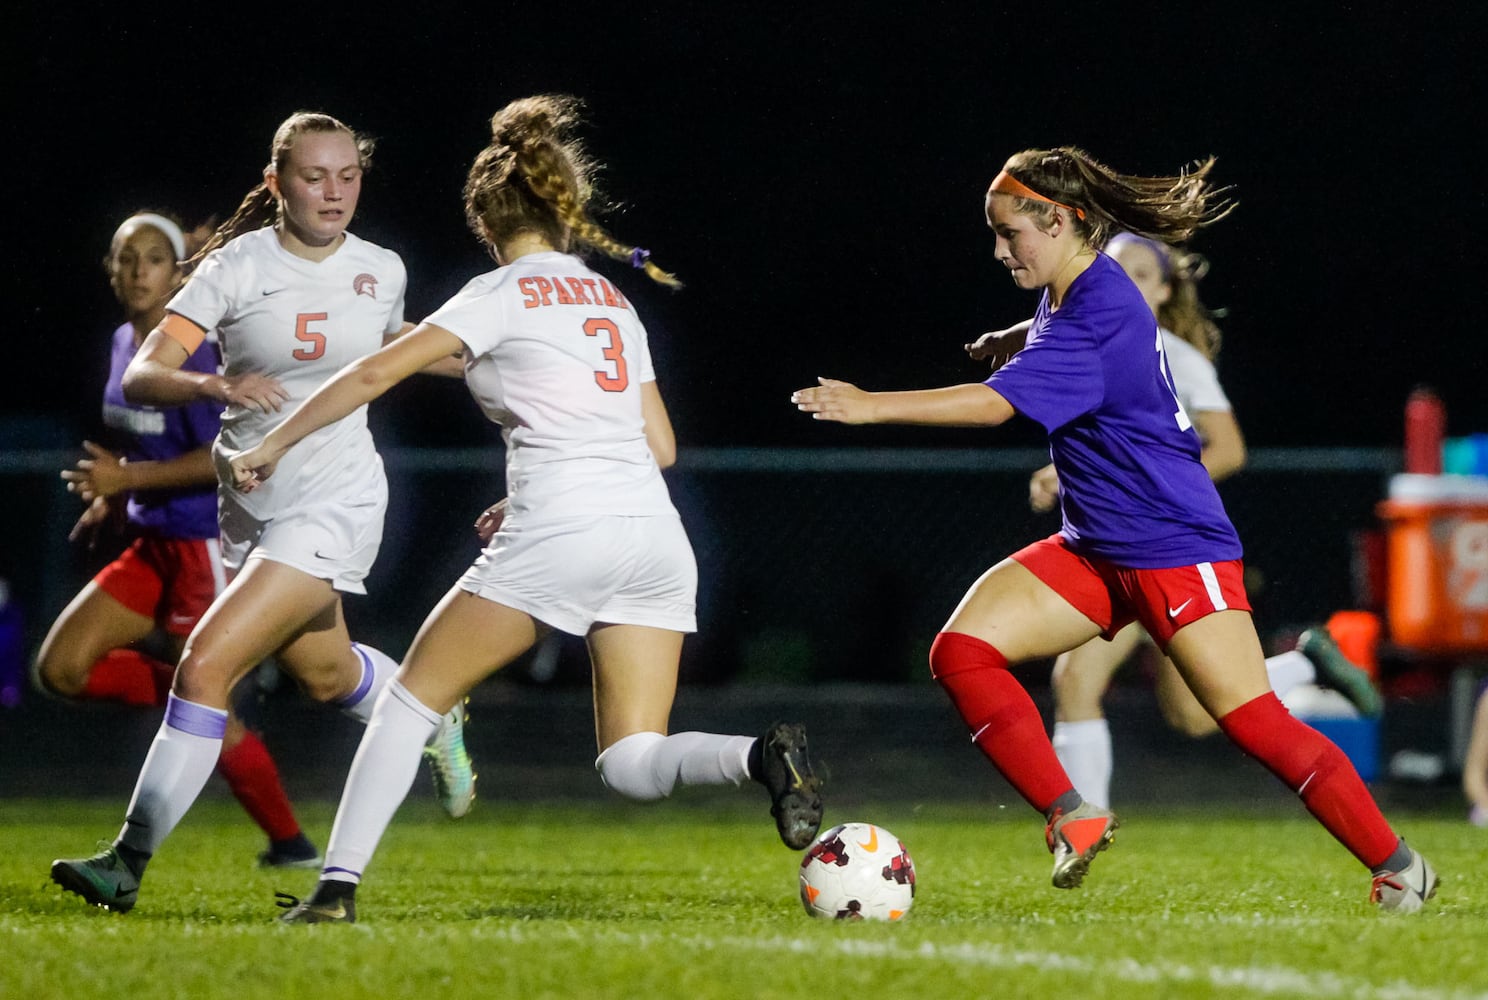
(1093, 374)
(147, 433)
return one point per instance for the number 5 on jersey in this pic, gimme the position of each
(313, 340)
(614, 353)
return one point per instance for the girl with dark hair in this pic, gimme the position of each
(1145, 537)
(1168, 279)
(119, 638)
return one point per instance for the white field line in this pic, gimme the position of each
(1253, 979)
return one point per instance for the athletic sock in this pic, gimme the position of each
(647, 766)
(1084, 751)
(1289, 669)
(177, 767)
(254, 780)
(377, 669)
(1320, 773)
(123, 675)
(381, 774)
(1005, 723)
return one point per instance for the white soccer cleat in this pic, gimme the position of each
(450, 764)
(1405, 891)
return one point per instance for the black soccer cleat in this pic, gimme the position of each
(795, 790)
(321, 908)
(103, 880)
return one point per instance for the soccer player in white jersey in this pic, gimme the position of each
(1168, 279)
(293, 297)
(588, 541)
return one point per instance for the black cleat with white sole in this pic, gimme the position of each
(784, 768)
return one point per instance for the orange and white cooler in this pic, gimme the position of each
(1436, 545)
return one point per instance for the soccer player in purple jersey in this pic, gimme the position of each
(1145, 537)
(167, 577)
(1168, 279)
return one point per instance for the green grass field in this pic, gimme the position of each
(696, 898)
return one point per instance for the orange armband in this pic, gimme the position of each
(183, 331)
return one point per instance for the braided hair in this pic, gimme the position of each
(535, 177)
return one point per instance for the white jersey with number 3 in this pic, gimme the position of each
(556, 356)
(299, 321)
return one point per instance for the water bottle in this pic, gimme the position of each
(1425, 427)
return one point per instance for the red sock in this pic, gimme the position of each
(254, 780)
(122, 675)
(1005, 723)
(1319, 772)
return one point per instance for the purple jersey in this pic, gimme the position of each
(1132, 489)
(152, 435)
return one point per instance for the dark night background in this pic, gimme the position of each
(814, 176)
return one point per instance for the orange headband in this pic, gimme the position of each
(1006, 183)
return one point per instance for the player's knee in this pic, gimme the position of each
(626, 767)
(1072, 693)
(51, 674)
(1189, 720)
(202, 677)
(955, 652)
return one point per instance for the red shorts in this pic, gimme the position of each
(171, 580)
(1112, 596)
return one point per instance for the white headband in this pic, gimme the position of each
(170, 229)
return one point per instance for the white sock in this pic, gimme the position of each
(1084, 748)
(1287, 670)
(647, 766)
(381, 774)
(377, 669)
(180, 761)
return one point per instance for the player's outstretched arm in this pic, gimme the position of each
(353, 386)
(973, 405)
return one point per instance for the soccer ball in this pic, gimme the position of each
(857, 871)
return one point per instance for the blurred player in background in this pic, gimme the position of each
(1168, 280)
(1475, 766)
(162, 480)
(1145, 536)
(293, 297)
(587, 541)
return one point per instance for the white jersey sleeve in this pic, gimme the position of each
(208, 295)
(1194, 376)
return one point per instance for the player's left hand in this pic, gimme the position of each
(250, 468)
(998, 347)
(835, 400)
(94, 516)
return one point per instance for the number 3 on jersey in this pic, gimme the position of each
(614, 353)
(313, 340)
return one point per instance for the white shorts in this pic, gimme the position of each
(330, 540)
(573, 572)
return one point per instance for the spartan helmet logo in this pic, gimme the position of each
(365, 284)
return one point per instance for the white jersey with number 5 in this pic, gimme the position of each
(299, 321)
(556, 356)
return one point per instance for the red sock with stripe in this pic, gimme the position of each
(254, 780)
(1005, 723)
(123, 675)
(1319, 772)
